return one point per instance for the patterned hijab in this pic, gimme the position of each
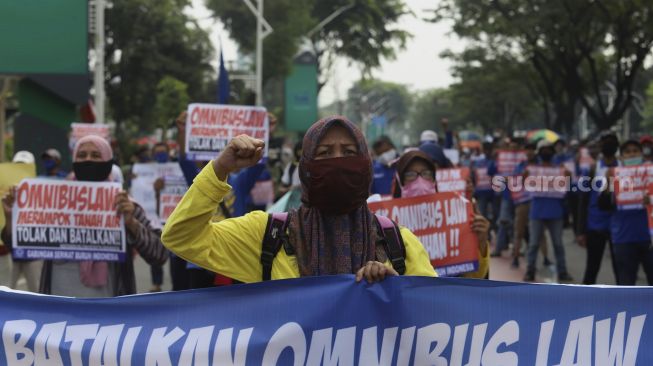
(328, 244)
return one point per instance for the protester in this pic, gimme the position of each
(30, 269)
(483, 191)
(505, 221)
(436, 154)
(385, 153)
(629, 229)
(333, 232)
(290, 177)
(428, 136)
(593, 224)
(416, 177)
(647, 147)
(92, 161)
(51, 159)
(546, 212)
(160, 154)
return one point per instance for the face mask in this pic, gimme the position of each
(339, 185)
(633, 161)
(92, 171)
(418, 187)
(49, 164)
(646, 151)
(609, 149)
(161, 157)
(387, 157)
(546, 156)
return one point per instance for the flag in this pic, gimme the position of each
(223, 82)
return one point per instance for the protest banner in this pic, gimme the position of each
(67, 220)
(209, 127)
(546, 181)
(452, 180)
(333, 320)
(79, 130)
(442, 223)
(142, 187)
(517, 192)
(172, 193)
(10, 175)
(483, 180)
(453, 155)
(630, 185)
(507, 161)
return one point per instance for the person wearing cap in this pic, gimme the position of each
(647, 147)
(436, 153)
(51, 159)
(428, 136)
(546, 212)
(385, 155)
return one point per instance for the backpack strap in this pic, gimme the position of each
(272, 241)
(392, 243)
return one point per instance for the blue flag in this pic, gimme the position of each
(223, 83)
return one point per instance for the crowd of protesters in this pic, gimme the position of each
(219, 233)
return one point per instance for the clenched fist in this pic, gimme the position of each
(242, 152)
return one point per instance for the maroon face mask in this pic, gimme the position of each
(339, 185)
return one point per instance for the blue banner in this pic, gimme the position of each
(333, 320)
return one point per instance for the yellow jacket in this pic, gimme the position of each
(232, 247)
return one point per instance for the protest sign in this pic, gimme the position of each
(79, 130)
(452, 180)
(442, 223)
(483, 180)
(172, 193)
(142, 187)
(67, 220)
(209, 127)
(546, 181)
(630, 185)
(10, 175)
(333, 320)
(453, 155)
(507, 161)
(517, 192)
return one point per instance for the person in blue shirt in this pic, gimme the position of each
(483, 191)
(51, 159)
(593, 224)
(385, 154)
(546, 212)
(629, 227)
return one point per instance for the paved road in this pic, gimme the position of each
(499, 269)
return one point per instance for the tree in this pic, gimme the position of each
(574, 46)
(364, 33)
(148, 40)
(429, 108)
(171, 97)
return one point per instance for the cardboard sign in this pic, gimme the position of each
(546, 181)
(483, 180)
(10, 175)
(79, 130)
(508, 160)
(210, 127)
(67, 220)
(452, 180)
(442, 223)
(142, 187)
(172, 193)
(631, 184)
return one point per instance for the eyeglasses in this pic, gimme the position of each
(412, 175)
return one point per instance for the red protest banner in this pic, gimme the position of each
(442, 222)
(209, 127)
(65, 220)
(546, 181)
(507, 160)
(630, 185)
(452, 180)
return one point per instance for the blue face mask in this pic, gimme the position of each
(161, 157)
(49, 164)
(633, 161)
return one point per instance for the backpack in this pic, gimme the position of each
(275, 237)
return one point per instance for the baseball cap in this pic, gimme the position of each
(428, 136)
(24, 156)
(52, 153)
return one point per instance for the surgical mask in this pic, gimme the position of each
(646, 150)
(92, 171)
(387, 157)
(418, 187)
(161, 157)
(633, 161)
(49, 164)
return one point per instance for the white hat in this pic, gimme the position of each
(543, 143)
(428, 136)
(52, 153)
(23, 156)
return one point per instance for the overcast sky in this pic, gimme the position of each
(418, 66)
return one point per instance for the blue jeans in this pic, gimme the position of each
(506, 217)
(627, 257)
(536, 229)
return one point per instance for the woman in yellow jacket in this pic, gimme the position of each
(333, 232)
